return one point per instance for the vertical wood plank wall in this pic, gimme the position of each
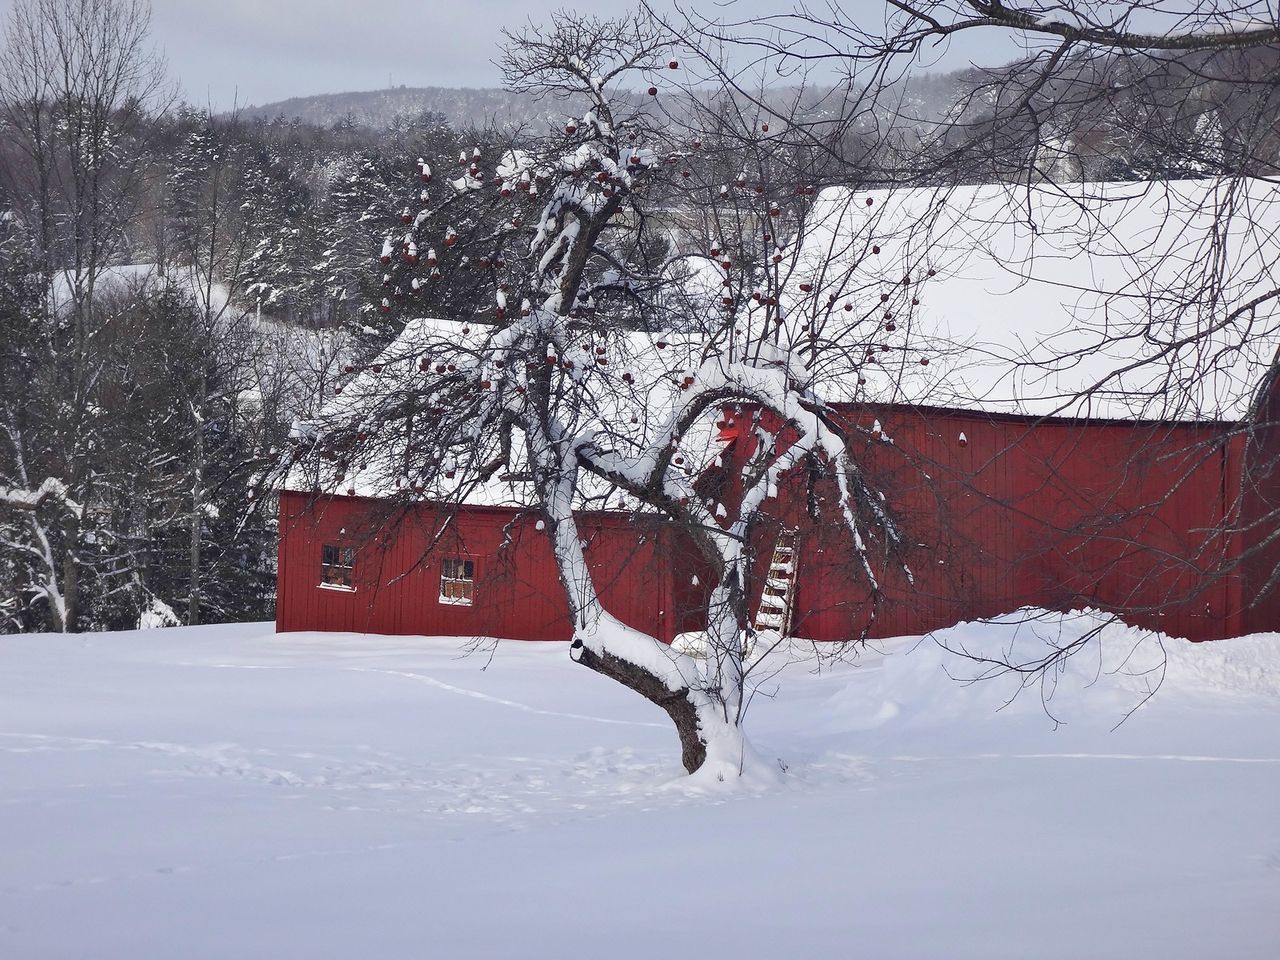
(1143, 518)
(1131, 517)
(517, 590)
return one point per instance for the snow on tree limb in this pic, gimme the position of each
(51, 489)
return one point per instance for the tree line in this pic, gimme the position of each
(175, 287)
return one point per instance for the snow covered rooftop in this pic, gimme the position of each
(632, 387)
(1077, 299)
(133, 279)
(1090, 300)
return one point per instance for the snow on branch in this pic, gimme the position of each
(51, 488)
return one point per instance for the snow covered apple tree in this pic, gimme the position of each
(640, 305)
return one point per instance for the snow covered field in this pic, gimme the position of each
(226, 792)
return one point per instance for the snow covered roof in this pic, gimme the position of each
(1090, 300)
(632, 387)
(1078, 299)
(135, 278)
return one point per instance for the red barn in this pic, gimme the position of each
(1158, 499)
(1164, 522)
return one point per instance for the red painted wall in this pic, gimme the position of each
(517, 591)
(1258, 545)
(1055, 513)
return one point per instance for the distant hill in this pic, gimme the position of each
(379, 109)
(471, 107)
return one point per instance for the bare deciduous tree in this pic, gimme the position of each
(623, 336)
(77, 80)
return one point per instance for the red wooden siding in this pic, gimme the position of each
(1258, 545)
(1057, 513)
(517, 591)
(1169, 524)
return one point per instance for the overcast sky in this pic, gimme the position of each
(260, 51)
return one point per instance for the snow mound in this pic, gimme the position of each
(1243, 667)
(158, 614)
(957, 674)
(1117, 658)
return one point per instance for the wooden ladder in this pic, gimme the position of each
(774, 612)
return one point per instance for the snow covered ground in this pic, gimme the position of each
(226, 792)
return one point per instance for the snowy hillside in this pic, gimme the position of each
(227, 792)
(381, 108)
(464, 107)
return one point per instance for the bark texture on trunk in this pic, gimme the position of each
(693, 749)
(196, 531)
(71, 582)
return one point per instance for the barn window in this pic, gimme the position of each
(336, 567)
(458, 581)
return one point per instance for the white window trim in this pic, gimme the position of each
(342, 550)
(457, 601)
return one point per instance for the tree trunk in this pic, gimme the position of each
(585, 609)
(71, 582)
(677, 704)
(197, 527)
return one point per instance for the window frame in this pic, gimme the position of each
(334, 574)
(457, 582)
